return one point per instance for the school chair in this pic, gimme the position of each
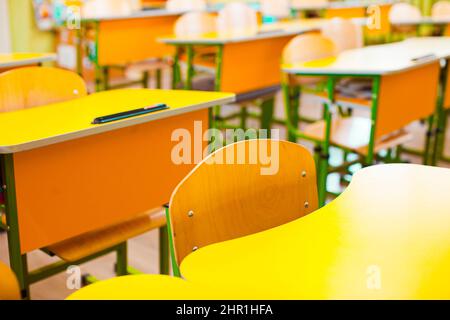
(186, 5)
(226, 196)
(273, 10)
(35, 86)
(195, 24)
(349, 133)
(237, 19)
(440, 9)
(9, 286)
(135, 72)
(347, 35)
(401, 13)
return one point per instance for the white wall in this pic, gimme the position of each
(5, 36)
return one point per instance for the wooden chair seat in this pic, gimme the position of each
(354, 133)
(90, 243)
(347, 100)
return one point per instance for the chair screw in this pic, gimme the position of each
(190, 214)
(304, 174)
(306, 204)
(194, 249)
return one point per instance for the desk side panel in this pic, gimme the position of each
(447, 89)
(67, 189)
(406, 97)
(252, 65)
(131, 40)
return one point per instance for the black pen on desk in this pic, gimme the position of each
(424, 58)
(129, 114)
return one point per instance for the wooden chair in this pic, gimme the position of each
(9, 286)
(402, 12)
(237, 19)
(219, 202)
(35, 86)
(186, 5)
(278, 9)
(440, 9)
(352, 134)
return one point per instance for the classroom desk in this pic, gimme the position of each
(403, 90)
(257, 56)
(15, 60)
(116, 41)
(386, 237)
(64, 176)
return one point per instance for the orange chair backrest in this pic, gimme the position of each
(344, 33)
(228, 195)
(400, 12)
(35, 86)
(195, 24)
(441, 9)
(276, 8)
(186, 5)
(237, 19)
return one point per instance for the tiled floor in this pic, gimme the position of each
(143, 250)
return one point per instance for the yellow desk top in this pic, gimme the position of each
(378, 60)
(386, 237)
(11, 60)
(41, 126)
(267, 31)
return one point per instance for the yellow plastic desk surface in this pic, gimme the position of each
(156, 287)
(378, 60)
(37, 127)
(386, 237)
(267, 31)
(11, 60)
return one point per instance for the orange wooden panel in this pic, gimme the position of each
(130, 40)
(350, 12)
(252, 65)
(447, 90)
(406, 97)
(70, 188)
(385, 25)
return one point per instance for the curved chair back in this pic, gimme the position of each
(401, 12)
(195, 24)
(219, 202)
(309, 4)
(344, 33)
(308, 47)
(9, 287)
(186, 5)
(276, 8)
(441, 9)
(35, 86)
(237, 19)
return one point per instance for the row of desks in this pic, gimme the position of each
(386, 237)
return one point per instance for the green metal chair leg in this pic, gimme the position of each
(175, 268)
(267, 113)
(163, 250)
(122, 260)
(145, 77)
(243, 117)
(159, 79)
(428, 138)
